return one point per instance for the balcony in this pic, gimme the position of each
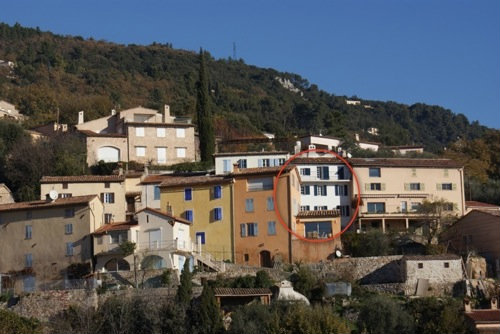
(167, 245)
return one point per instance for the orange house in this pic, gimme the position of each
(260, 239)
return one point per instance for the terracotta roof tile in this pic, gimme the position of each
(480, 204)
(180, 181)
(431, 257)
(260, 171)
(89, 133)
(484, 316)
(122, 226)
(155, 178)
(316, 160)
(46, 204)
(318, 214)
(402, 162)
(165, 214)
(221, 292)
(83, 178)
(230, 154)
(165, 125)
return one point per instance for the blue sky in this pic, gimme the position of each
(444, 52)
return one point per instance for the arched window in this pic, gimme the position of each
(117, 265)
(108, 154)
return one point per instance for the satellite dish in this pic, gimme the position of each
(53, 195)
(349, 155)
(338, 253)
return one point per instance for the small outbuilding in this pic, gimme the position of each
(227, 297)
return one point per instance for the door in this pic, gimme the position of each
(161, 153)
(265, 259)
(404, 206)
(154, 239)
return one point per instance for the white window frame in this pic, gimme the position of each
(180, 133)
(178, 150)
(138, 150)
(139, 131)
(161, 132)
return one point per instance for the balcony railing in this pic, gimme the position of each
(165, 245)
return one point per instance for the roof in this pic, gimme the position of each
(167, 215)
(322, 136)
(122, 226)
(42, 204)
(431, 257)
(241, 292)
(260, 171)
(175, 124)
(155, 178)
(83, 178)
(90, 133)
(317, 160)
(484, 316)
(404, 147)
(481, 205)
(178, 181)
(404, 162)
(230, 154)
(318, 214)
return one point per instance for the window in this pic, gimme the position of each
(188, 194)
(315, 230)
(341, 190)
(108, 197)
(180, 133)
(249, 205)
(217, 192)
(281, 161)
(246, 257)
(415, 186)
(404, 206)
(344, 210)
(28, 260)
(446, 186)
(218, 214)
(140, 151)
(107, 184)
(29, 214)
(270, 204)
(323, 173)
(188, 214)
(374, 172)
(376, 207)
(28, 232)
(243, 230)
(156, 191)
(139, 132)
(305, 171)
(68, 213)
(448, 206)
(117, 237)
(271, 228)
(161, 132)
(341, 173)
(65, 195)
(305, 208)
(68, 229)
(252, 229)
(200, 237)
(242, 163)
(446, 264)
(420, 265)
(65, 185)
(320, 207)
(258, 184)
(264, 163)
(414, 206)
(227, 165)
(375, 186)
(108, 217)
(161, 155)
(69, 249)
(320, 190)
(181, 152)
(305, 190)
(99, 240)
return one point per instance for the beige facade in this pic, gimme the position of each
(5, 194)
(139, 134)
(40, 239)
(110, 189)
(392, 189)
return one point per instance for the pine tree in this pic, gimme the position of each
(185, 290)
(204, 114)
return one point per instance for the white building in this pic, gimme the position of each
(325, 185)
(224, 161)
(319, 141)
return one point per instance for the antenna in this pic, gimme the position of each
(234, 50)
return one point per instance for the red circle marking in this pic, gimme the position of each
(355, 177)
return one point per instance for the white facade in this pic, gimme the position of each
(224, 161)
(325, 186)
(323, 142)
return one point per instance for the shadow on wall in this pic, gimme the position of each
(389, 273)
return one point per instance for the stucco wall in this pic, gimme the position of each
(94, 143)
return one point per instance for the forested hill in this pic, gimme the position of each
(71, 73)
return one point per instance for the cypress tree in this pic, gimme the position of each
(204, 114)
(205, 316)
(185, 290)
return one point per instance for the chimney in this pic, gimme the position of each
(56, 126)
(113, 112)
(166, 113)
(494, 304)
(80, 117)
(297, 147)
(236, 167)
(356, 135)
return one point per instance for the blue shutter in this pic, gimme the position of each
(324, 191)
(256, 230)
(346, 191)
(260, 163)
(270, 204)
(189, 215)
(217, 192)
(326, 173)
(243, 230)
(187, 194)
(202, 237)
(336, 190)
(315, 190)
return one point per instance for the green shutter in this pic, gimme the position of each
(422, 186)
(407, 186)
(382, 186)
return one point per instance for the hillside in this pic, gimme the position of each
(70, 74)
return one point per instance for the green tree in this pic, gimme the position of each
(185, 289)
(11, 323)
(382, 315)
(254, 318)
(371, 243)
(205, 317)
(128, 248)
(204, 113)
(263, 280)
(434, 215)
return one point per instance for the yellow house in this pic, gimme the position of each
(207, 202)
